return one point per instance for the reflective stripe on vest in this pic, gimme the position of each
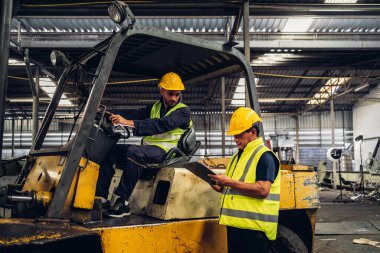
(248, 165)
(169, 139)
(230, 191)
(249, 215)
(242, 211)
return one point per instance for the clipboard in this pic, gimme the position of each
(200, 170)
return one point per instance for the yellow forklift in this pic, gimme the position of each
(53, 202)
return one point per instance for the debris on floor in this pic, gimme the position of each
(366, 242)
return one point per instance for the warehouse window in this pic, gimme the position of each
(330, 88)
(49, 87)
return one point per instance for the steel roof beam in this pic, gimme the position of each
(294, 9)
(196, 8)
(153, 8)
(313, 44)
(272, 41)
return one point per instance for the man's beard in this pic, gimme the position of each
(171, 103)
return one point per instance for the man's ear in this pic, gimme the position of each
(161, 91)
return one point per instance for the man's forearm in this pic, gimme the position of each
(259, 189)
(162, 125)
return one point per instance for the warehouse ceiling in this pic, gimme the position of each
(302, 52)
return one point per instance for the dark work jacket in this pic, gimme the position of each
(145, 126)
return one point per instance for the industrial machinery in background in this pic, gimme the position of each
(371, 179)
(362, 185)
(335, 155)
(371, 164)
(283, 146)
(344, 165)
(53, 202)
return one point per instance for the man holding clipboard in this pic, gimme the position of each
(250, 188)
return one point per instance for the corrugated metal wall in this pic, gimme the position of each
(25, 125)
(282, 121)
(315, 134)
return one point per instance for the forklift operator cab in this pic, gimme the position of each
(55, 182)
(56, 186)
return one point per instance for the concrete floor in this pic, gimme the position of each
(346, 221)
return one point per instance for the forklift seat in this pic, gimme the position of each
(187, 146)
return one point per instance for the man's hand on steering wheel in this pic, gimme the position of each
(120, 120)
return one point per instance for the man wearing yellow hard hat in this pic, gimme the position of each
(162, 125)
(250, 189)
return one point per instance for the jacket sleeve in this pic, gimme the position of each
(135, 114)
(178, 118)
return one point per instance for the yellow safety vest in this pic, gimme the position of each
(167, 140)
(241, 211)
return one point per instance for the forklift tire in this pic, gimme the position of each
(288, 242)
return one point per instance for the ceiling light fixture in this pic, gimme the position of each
(273, 59)
(361, 87)
(267, 100)
(297, 25)
(16, 62)
(341, 1)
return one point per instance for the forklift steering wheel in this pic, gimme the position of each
(106, 125)
(122, 131)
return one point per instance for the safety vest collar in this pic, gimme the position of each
(156, 108)
(254, 144)
(257, 148)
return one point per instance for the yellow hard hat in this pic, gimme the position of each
(243, 119)
(171, 81)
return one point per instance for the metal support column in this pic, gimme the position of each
(297, 139)
(34, 86)
(19, 35)
(332, 120)
(205, 126)
(320, 130)
(13, 136)
(36, 105)
(5, 30)
(247, 49)
(223, 115)
(344, 135)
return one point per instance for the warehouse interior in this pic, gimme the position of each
(316, 73)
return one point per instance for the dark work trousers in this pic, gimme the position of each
(120, 156)
(247, 241)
